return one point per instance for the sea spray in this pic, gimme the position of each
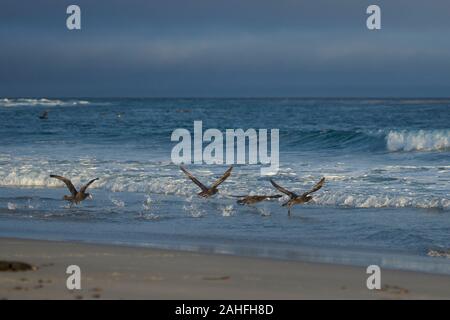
(422, 140)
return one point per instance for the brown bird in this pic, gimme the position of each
(208, 192)
(295, 198)
(76, 196)
(255, 199)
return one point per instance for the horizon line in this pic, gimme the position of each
(231, 97)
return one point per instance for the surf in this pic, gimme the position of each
(421, 140)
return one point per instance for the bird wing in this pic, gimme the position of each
(68, 183)
(281, 189)
(222, 178)
(194, 179)
(84, 188)
(316, 187)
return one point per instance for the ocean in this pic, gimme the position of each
(386, 199)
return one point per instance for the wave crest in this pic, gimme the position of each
(381, 201)
(422, 140)
(20, 102)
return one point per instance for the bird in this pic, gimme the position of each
(44, 115)
(295, 198)
(76, 196)
(208, 192)
(255, 199)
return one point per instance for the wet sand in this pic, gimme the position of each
(118, 272)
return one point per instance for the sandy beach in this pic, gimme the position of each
(117, 272)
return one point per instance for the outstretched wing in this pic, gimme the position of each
(281, 189)
(84, 188)
(68, 183)
(222, 178)
(316, 187)
(194, 179)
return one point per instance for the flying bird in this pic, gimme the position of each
(208, 192)
(44, 115)
(295, 198)
(76, 196)
(255, 199)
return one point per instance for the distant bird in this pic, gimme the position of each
(255, 199)
(295, 198)
(44, 115)
(208, 192)
(76, 196)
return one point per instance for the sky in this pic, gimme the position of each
(218, 48)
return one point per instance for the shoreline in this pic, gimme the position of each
(355, 257)
(124, 272)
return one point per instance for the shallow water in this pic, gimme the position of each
(386, 163)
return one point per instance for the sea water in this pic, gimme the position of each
(386, 199)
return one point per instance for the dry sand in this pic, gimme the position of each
(116, 272)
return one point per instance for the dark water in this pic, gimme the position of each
(386, 163)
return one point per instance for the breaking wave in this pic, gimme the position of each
(392, 140)
(422, 140)
(20, 102)
(382, 201)
(439, 253)
(176, 185)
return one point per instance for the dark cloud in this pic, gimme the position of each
(224, 48)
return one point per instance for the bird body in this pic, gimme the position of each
(44, 115)
(76, 196)
(255, 199)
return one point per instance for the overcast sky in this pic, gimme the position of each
(218, 48)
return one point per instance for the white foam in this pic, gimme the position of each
(12, 206)
(422, 140)
(20, 102)
(227, 211)
(413, 186)
(263, 212)
(148, 216)
(147, 205)
(118, 203)
(439, 253)
(380, 201)
(192, 207)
